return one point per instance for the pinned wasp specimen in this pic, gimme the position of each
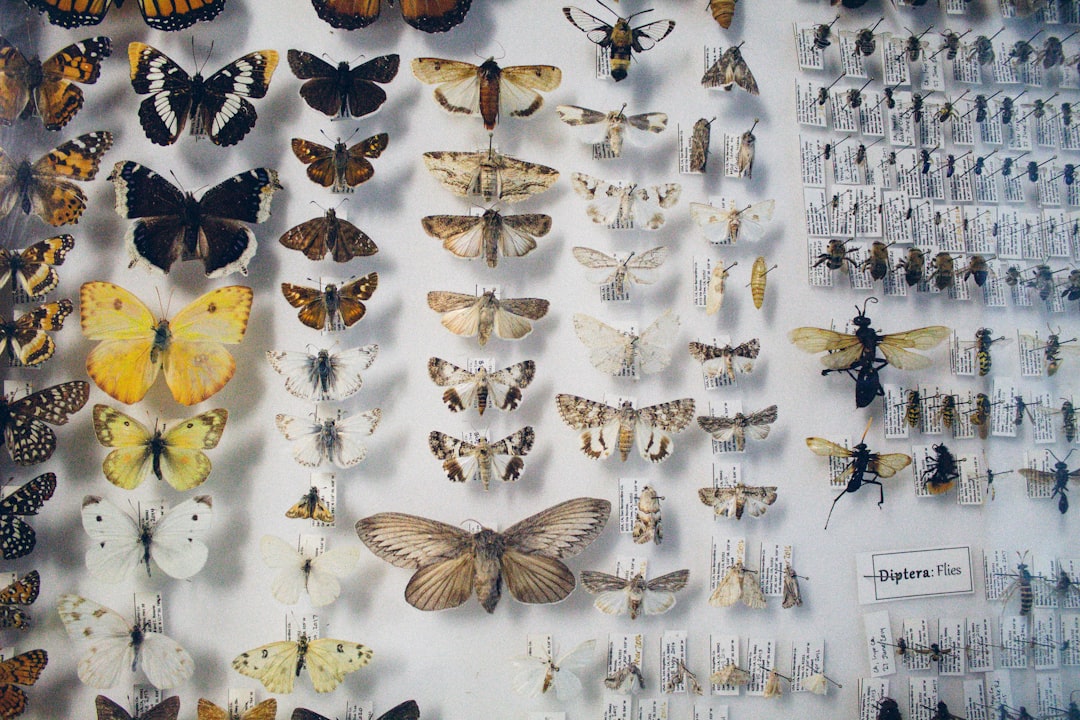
(865, 468)
(857, 354)
(1054, 350)
(1068, 420)
(941, 473)
(984, 338)
(1021, 582)
(990, 476)
(912, 408)
(1058, 479)
(947, 410)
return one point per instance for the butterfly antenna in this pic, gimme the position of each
(612, 11)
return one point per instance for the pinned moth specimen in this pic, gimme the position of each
(620, 40)
(730, 674)
(323, 309)
(733, 501)
(625, 206)
(329, 234)
(480, 315)
(326, 375)
(620, 274)
(483, 460)
(716, 360)
(451, 562)
(792, 594)
(487, 90)
(605, 428)
(489, 235)
(648, 526)
(758, 277)
(700, 139)
(489, 175)
(723, 11)
(744, 161)
(626, 680)
(731, 224)
(483, 388)
(299, 572)
(714, 291)
(683, 675)
(730, 70)
(614, 123)
(614, 351)
(738, 584)
(757, 424)
(329, 440)
(536, 675)
(773, 687)
(622, 596)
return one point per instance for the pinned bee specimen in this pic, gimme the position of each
(620, 40)
(1057, 479)
(725, 360)
(700, 139)
(1022, 51)
(857, 354)
(914, 266)
(1056, 349)
(942, 471)
(714, 292)
(944, 271)
(733, 501)
(489, 175)
(758, 273)
(835, 255)
(730, 70)
(613, 123)
(978, 267)
(722, 429)
(823, 93)
(480, 315)
(792, 595)
(877, 262)
(637, 268)
(854, 95)
(983, 48)
(625, 206)
(744, 161)
(605, 428)
(1052, 53)
(888, 709)
(723, 11)
(616, 352)
(1066, 114)
(1012, 276)
(865, 468)
(1042, 280)
(950, 43)
(489, 235)
(634, 596)
(648, 526)
(822, 33)
(731, 224)
(948, 111)
(738, 584)
(481, 389)
(464, 461)
(914, 45)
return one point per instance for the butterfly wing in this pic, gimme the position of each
(461, 312)
(505, 385)
(116, 540)
(225, 112)
(318, 158)
(196, 362)
(570, 666)
(224, 244)
(346, 449)
(350, 295)
(730, 589)
(610, 350)
(459, 83)
(587, 415)
(752, 595)
(612, 592)
(518, 85)
(759, 498)
(109, 650)
(307, 436)
(23, 591)
(273, 664)
(715, 223)
(312, 303)
(293, 569)
(123, 364)
(24, 668)
(532, 676)
(357, 168)
(660, 591)
(311, 506)
(266, 710)
(183, 464)
(57, 99)
(177, 544)
(15, 83)
(329, 661)
(27, 336)
(326, 570)
(34, 265)
(163, 114)
(52, 196)
(653, 347)
(512, 316)
(29, 441)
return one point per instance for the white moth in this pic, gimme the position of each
(330, 440)
(731, 224)
(607, 270)
(625, 206)
(323, 375)
(299, 572)
(738, 584)
(614, 351)
(634, 596)
(534, 676)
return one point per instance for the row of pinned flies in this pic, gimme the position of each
(889, 709)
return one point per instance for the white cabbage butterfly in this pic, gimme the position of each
(329, 440)
(114, 645)
(278, 664)
(317, 575)
(174, 541)
(537, 675)
(325, 375)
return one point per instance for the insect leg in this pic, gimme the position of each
(833, 507)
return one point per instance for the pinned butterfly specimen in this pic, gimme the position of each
(487, 90)
(22, 669)
(757, 424)
(616, 352)
(325, 375)
(120, 542)
(334, 304)
(135, 345)
(535, 675)
(483, 388)
(23, 591)
(173, 451)
(734, 500)
(167, 709)
(329, 234)
(464, 461)
(28, 439)
(300, 572)
(341, 91)
(312, 507)
(47, 89)
(620, 596)
(480, 315)
(44, 186)
(605, 428)
(738, 584)
(730, 70)
(17, 538)
(613, 124)
(620, 40)
(606, 269)
(113, 646)
(340, 168)
(717, 360)
(25, 339)
(158, 15)
(731, 224)
(217, 106)
(266, 710)
(33, 266)
(489, 235)
(488, 174)
(330, 440)
(407, 710)
(625, 206)
(278, 664)
(431, 16)
(450, 562)
(172, 225)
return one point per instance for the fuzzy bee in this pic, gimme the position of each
(835, 255)
(822, 32)
(865, 44)
(914, 266)
(944, 271)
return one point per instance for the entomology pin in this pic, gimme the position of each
(990, 477)
(714, 293)
(745, 160)
(699, 145)
(792, 594)
(647, 525)
(822, 32)
(854, 95)
(773, 688)
(757, 281)
(738, 584)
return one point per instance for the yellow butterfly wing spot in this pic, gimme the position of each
(126, 361)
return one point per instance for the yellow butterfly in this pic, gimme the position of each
(278, 664)
(175, 454)
(135, 345)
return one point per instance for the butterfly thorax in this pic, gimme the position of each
(332, 298)
(329, 435)
(32, 77)
(24, 174)
(306, 567)
(156, 446)
(488, 548)
(137, 637)
(162, 339)
(343, 81)
(191, 218)
(323, 370)
(198, 93)
(146, 538)
(301, 653)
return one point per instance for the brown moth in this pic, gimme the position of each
(621, 596)
(700, 139)
(647, 525)
(490, 175)
(614, 123)
(489, 235)
(480, 315)
(311, 506)
(792, 594)
(329, 234)
(716, 360)
(483, 388)
(463, 461)
(722, 429)
(605, 428)
(733, 501)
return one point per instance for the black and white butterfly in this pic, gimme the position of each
(172, 225)
(27, 437)
(217, 106)
(342, 91)
(324, 375)
(17, 538)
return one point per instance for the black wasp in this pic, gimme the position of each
(984, 338)
(1058, 479)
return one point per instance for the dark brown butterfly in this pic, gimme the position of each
(407, 710)
(167, 709)
(329, 234)
(28, 439)
(46, 89)
(343, 91)
(324, 309)
(431, 16)
(340, 168)
(17, 538)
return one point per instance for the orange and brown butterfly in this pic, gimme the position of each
(266, 710)
(340, 168)
(431, 16)
(23, 669)
(329, 234)
(29, 86)
(44, 186)
(311, 506)
(23, 591)
(26, 339)
(34, 266)
(322, 309)
(487, 89)
(160, 15)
